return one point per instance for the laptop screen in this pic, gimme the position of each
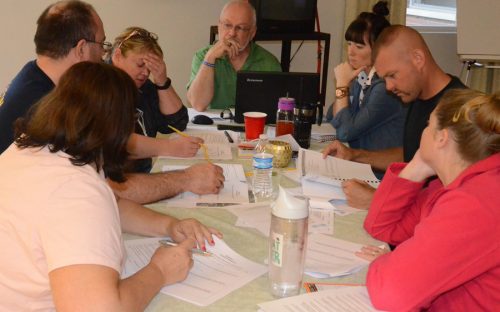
(260, 91)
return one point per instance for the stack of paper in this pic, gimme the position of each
(210, 279)
(331, 257)
(347, 298)
(235, 189)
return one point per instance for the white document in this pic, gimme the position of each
(348, 298)
(333, 170)
(254, 215)
(330, 257)
(218, 146)
(210, 279)
(235, 189)
(321, 221)
(322, 178)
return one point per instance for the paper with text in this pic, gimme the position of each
(329, 257)
(235, 188)
(210, 279)
(348, 298)
(333, 170)
(218, 146)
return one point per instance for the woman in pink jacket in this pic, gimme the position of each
(447, 232)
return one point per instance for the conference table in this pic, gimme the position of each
(250, 243)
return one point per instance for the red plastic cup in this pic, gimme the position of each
(254, 124)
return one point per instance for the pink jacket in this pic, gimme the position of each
(448, 254)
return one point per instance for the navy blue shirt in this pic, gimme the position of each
(155, 121)
(29, 86)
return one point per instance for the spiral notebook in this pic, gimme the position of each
(332, 171)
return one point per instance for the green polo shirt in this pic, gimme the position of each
(259, 59)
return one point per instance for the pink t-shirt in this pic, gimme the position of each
(52, 214)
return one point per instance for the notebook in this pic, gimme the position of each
(260, 91)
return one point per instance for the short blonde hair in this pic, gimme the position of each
(138, 40)
(474, 120)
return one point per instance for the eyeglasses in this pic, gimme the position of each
(139, 33)
(237, 29)
(106, 46)
(140, 120)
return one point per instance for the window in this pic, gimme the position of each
(436, 13)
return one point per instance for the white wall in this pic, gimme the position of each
(182, 25)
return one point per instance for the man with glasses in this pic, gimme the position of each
(68, 32)
(213, 73)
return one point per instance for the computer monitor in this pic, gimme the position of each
(260, 91)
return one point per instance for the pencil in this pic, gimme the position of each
(197, 251)
(205, 149)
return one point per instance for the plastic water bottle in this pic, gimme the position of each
(287, 244)
(262, 184)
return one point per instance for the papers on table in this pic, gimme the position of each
(322, 179)
(218, 146)
(325, 133)
(254, 215)
(210, 279)
(346, 298)
(330, 257)
(235, 189)
(333, 170)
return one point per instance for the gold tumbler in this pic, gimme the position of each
(282, 153)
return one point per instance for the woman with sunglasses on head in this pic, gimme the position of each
(364, 114)
(137, 52)
(446, 230)
(60, 223)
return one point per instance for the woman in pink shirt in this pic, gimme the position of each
(446, 230)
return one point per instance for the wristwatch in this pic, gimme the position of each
(165, 86)
(341, 92)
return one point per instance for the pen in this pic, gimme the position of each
(197, 251)
(229, 138)
(205, 150)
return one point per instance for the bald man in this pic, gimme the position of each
(404, 61)
(213, 72)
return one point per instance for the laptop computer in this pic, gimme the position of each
(260, 91)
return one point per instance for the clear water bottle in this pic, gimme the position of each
(287, 244)
(262, 184)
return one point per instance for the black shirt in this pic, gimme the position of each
(419, 112)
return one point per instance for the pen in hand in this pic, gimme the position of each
(229, 138)
(205, 149)
(196, 251)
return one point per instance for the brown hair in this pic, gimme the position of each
(474, 120)
(138, 40)
(368, 23)
(89, 116)
(62, 25)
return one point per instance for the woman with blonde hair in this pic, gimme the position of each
(448, 252)
(137, 52)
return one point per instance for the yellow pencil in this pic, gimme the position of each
(205, 150)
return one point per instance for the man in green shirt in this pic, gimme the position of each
(213, 71)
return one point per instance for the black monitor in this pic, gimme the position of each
(260, 91)
(285, 16)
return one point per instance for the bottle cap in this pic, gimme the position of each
(290, 207)
(286, 103)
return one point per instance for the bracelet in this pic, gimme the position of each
(208, 64)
